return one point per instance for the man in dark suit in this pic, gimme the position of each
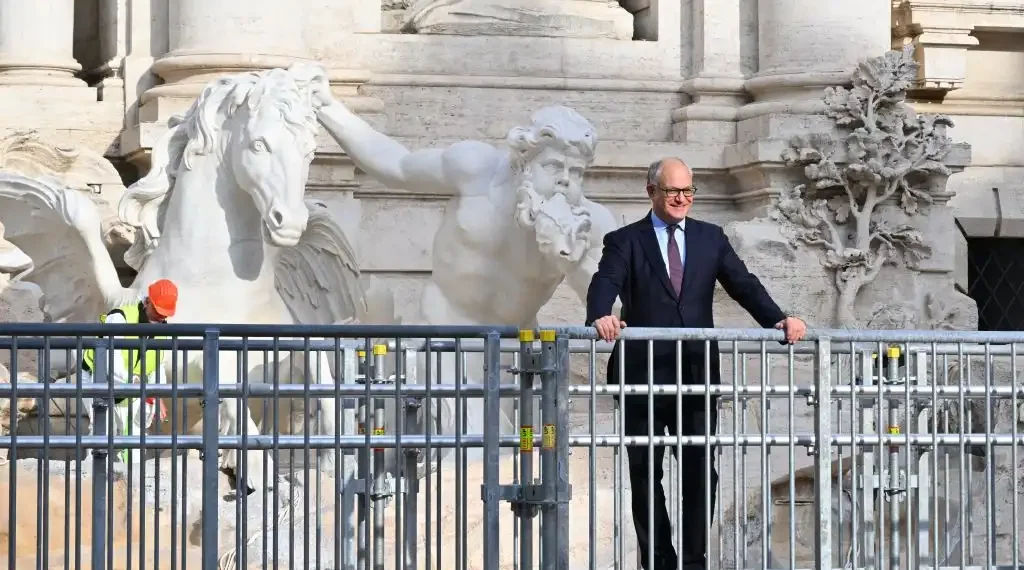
(664, 267)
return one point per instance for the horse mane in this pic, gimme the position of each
(199, 133)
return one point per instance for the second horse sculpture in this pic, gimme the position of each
(223, 214)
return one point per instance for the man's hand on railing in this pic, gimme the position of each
(794, 328)
(608, 327)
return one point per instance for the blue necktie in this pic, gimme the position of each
(675, 265)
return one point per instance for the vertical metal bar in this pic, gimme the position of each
(379, 491)
(548, 461)
(620, 458)
(363, 499)
(893, 375)
(400, 474)
(990, 472)
(99, 463)
(492, 409)
(962, 452)
(562, 452)
(766, 489)
(823, 454)
(411, 478)
(855, 475)
(926, 476)
(1014, 536)
(348, 548)
(791, 426)
(211, 421)
(592, 491)
(527, 364)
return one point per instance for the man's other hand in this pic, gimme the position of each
(608, 327)
(794, 328)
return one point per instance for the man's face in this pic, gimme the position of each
(558, 171)
(152, 315)
(669, 198)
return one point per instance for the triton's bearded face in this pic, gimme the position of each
(548, 200)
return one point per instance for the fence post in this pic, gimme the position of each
(410, 478)
(823, 454)
(548, 453)
(492, 409)
(350, 373)
(526, 511)
(211, 445)
(99, 459)
(562, 487)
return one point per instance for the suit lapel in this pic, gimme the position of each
(650, 246)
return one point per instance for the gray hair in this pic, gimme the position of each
(654, 170)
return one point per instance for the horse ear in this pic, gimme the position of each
(307, 72)
(255, 95)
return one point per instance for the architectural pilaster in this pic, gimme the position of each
(209, 38)
(716, 86)
(36, 44)
(805, 46)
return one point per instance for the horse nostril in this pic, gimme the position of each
(564, 252)
(277, 216)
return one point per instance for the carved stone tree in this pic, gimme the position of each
(887, 153)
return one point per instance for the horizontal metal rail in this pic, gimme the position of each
(881, 445)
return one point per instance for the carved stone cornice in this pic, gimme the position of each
(942, 33)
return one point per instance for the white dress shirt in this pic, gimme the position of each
(661, 232)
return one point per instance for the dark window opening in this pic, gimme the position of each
(995, 280)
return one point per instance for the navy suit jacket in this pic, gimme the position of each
(633, 269)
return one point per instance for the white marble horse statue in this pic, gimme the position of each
(222, 213)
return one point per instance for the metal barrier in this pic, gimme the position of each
(855, 449)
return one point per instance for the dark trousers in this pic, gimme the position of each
(693, 481)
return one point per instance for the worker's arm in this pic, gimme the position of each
(119, 372)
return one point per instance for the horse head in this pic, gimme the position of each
(270, 130)
(272, 141)
(259, 130)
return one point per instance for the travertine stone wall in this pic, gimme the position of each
(723, 84)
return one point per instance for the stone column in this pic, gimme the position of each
(211, 38)
(723, 34)
(807, 45)
(208, 39)
(803, 46)
(36, 43)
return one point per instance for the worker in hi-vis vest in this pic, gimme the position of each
(131, 365)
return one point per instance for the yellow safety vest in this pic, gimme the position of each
(151, 358)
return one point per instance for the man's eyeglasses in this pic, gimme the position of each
(687, 192)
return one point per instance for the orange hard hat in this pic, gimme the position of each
(163, 295)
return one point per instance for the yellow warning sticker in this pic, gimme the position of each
(548, 437)
(526, 438)
(894, 430)
(378, 431)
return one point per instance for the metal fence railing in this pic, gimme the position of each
(365, 447)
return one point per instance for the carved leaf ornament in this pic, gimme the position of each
(885, 151)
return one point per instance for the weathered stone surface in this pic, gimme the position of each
(559, 18)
